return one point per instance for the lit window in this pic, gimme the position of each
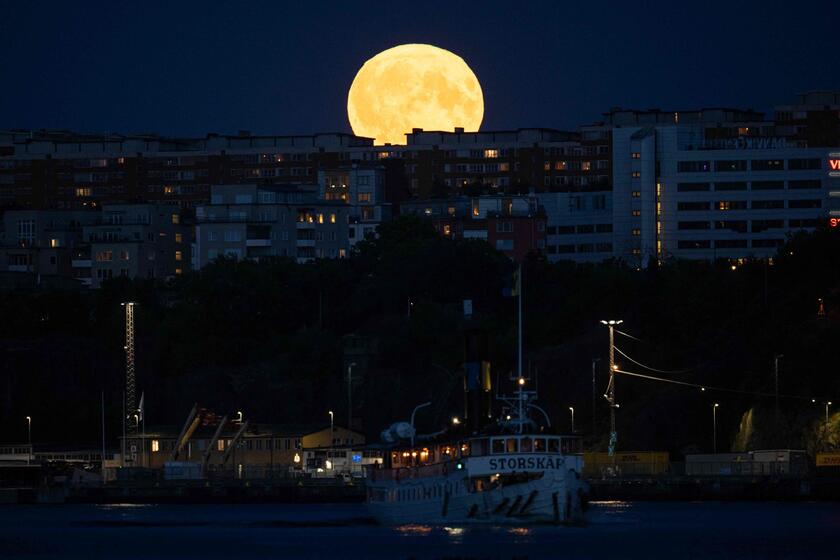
(84, 191)
(104, 256)
(364, 197)
(342, 253)
(637, 213)
(178, 256)
(54, 242)
(636, 155)
(491, 153)
(124, 255)
(220, 445)
(446, 230)
(168, 189)
(320, 218)
(332, 218)
(637, 174)
(586, 165)
(178, 271)
(637, 194)
(560, 165)
(637, 231)
(179, 238)
(155, 446)
(176, 219)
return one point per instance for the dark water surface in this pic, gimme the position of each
(614, 530)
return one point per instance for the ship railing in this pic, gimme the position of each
(415, 471)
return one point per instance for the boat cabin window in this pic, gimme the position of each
(498, 445)
(539, 445)
(553, 445)
(571, 445)
(525, 445)
(511, 445)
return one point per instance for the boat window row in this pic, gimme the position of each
(529, 444)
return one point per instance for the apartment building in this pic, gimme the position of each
(257, 222)
(514, 225)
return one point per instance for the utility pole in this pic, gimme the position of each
(610, 394)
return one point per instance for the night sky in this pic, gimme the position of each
(188, 68)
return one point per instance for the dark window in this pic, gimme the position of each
(804, 203)
(767, 185)
(731, 186)
(586, 228)
(689, 206)
(585, 248)
(551, 249)
(604, 228)
(768, 164)
(803, 222)
(692, 187)
(733, 225)
(762, 225)
(693, 166)
(767, 204)
(565, 248)
(730, 243)
(805, 184)
(767, 242)
(810, 163)
(565, 230)
(699, 244)
(552, 230)
(692, 225)
(731, 165)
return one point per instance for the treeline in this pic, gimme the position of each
(271, 339)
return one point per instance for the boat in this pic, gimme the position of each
(504, 478)
(514, 470)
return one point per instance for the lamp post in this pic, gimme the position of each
(332, 434)
(827, 406)
(610, 396)
(594, 395)
(29, 431)
(776, 375)
(413, 412)
(714, 427)
(572, 410)
(350, 395)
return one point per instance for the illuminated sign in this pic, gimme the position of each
(833, 222)
(834, 164)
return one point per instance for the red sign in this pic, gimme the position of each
(834, 164)
(834, 222)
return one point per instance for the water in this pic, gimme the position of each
(614, 530)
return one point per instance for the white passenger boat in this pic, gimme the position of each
(512, 478)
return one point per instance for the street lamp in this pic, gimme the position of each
(350, 395)
(456, 420)
(714, 427)
(572, 410)
(29, 430)
(413, 412)
(827, 406)
(239, 412)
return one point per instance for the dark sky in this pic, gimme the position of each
(187, 68)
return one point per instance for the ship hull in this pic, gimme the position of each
(556, 497)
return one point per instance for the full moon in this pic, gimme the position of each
(413, 86)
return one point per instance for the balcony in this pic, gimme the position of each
(258, 242)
